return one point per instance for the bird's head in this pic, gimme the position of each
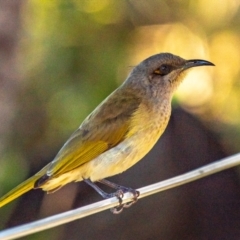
(163, 72)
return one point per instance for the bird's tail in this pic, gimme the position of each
(19, 190)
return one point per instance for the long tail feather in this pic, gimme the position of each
(18, 191)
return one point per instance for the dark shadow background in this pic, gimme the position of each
(59, 59)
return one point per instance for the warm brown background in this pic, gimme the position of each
(60, 58)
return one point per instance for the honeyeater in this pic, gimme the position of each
(119, 132)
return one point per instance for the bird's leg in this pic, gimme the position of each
(123, 189)
(118, 194)
(100, 191)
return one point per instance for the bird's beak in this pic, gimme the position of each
(195, 63)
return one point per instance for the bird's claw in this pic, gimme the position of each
(135, 198)
(120, 194)
(118, 209)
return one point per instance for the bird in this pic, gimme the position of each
(118, 133)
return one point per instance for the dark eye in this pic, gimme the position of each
(163, 70)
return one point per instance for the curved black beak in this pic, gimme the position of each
(196, 63)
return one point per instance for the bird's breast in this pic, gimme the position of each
(146, 127)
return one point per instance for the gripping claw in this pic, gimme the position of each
(119, 194)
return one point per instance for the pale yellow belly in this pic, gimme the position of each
(123, 156)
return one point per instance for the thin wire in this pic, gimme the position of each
(82, 212)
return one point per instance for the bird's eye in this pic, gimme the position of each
(163, 70)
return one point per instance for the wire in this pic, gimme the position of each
(56, 220)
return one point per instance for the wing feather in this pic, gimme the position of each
(103, 129)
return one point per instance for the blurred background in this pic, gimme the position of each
(60, 58)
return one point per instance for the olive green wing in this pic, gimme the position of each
(102, 130)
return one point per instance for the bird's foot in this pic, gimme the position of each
(119, 194)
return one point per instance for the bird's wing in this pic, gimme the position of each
(102, 130)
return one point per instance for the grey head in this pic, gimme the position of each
(162, 72)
